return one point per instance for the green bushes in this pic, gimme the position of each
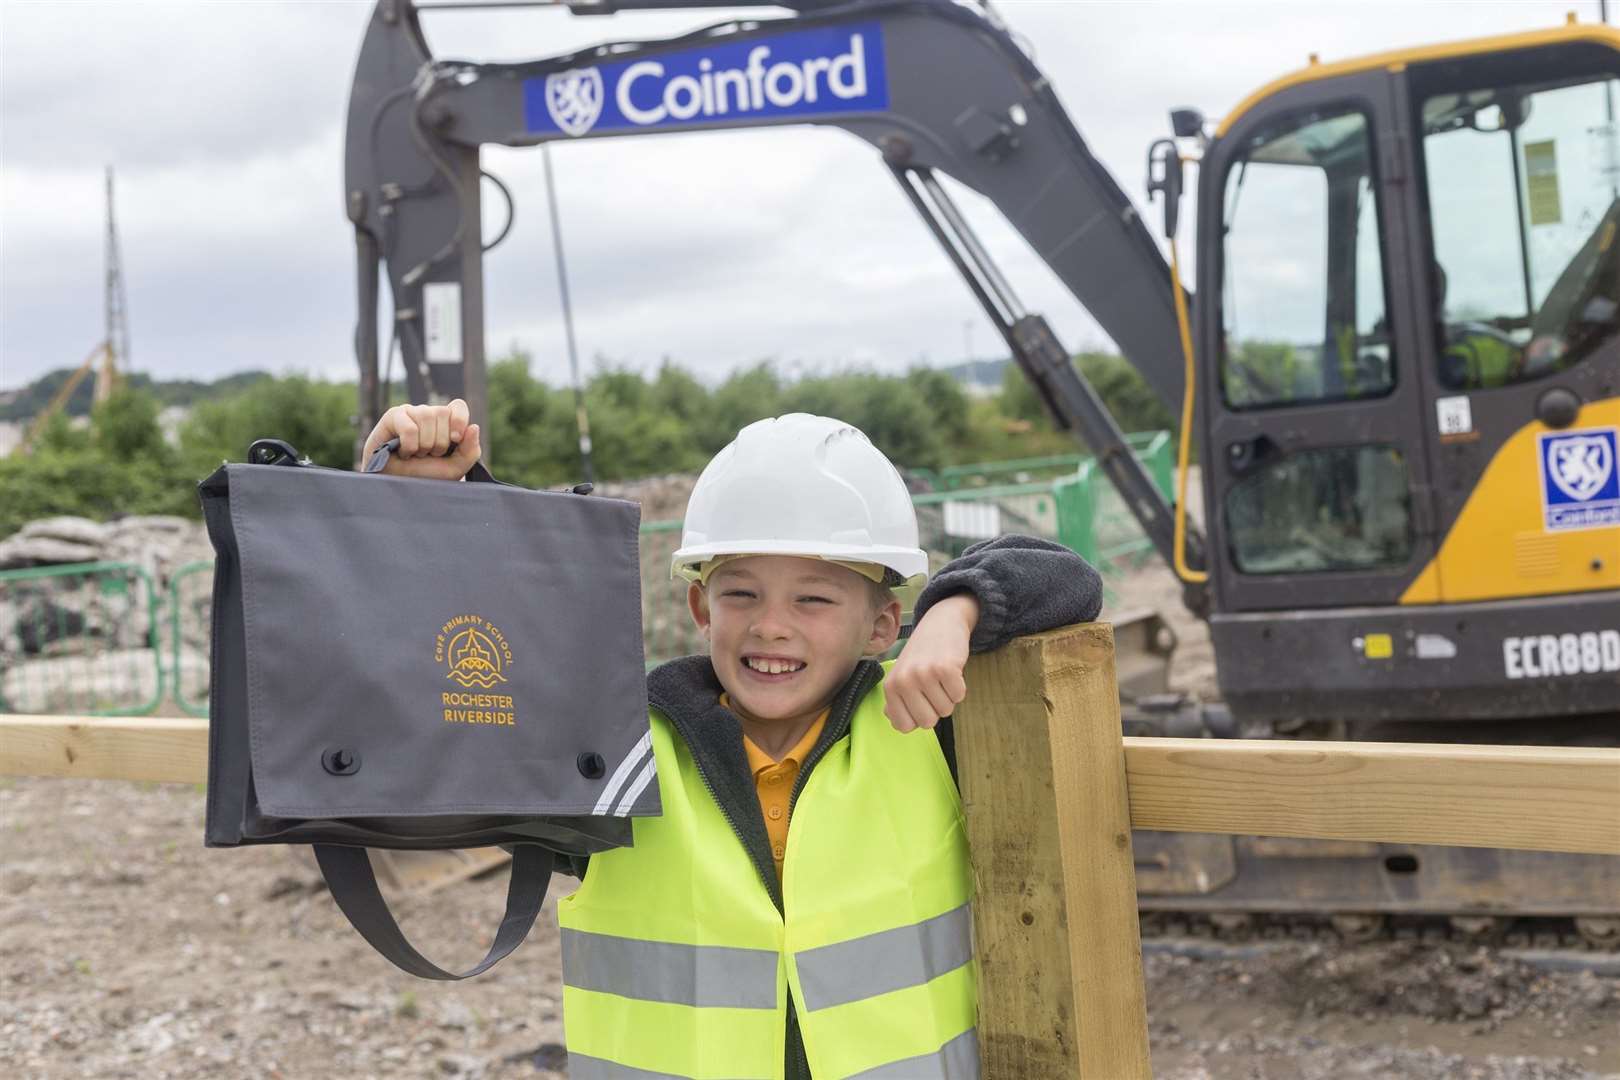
(121, 465)
(316, 417)
(640, 425)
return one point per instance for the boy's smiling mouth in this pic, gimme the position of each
(775, 668)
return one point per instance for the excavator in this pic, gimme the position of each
(1399, 365)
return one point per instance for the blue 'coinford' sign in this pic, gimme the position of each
(1580, 480)
(803, 73)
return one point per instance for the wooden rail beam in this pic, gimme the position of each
(1540, 798)
(1043, 787)
(105, 747)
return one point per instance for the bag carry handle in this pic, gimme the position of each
(379, 459)
(353, 883)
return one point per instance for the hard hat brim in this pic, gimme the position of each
(909, 563)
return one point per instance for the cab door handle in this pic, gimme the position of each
(1244, 456)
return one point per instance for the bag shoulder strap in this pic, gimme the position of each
(349, 875)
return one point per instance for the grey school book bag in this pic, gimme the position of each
(400, 663)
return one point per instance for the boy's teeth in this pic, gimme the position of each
(772, 667)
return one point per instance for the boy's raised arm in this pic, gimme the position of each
(995, 591)
(1023, 585)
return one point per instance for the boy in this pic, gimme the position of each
(722, 944)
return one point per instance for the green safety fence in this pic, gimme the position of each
(103, 639)
(191, 606)
(948, 522)
(80, 638)
(1144, 444)
(1096, 522)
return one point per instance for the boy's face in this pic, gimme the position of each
(785, 632)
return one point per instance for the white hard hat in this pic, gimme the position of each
(809, 486)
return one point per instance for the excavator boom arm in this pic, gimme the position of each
(934, 85)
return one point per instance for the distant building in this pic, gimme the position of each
(169, 419)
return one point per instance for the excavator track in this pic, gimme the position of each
(1599, 937)
(1239, 890)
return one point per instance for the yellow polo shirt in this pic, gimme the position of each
(774, 781)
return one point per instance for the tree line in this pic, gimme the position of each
(641, 425)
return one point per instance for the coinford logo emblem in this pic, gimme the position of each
(574, 99)
(474, 651)
(1581, 465)
(1580, 485)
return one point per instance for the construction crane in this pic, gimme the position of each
(1401, 367)
(112, 349)
(105, 375)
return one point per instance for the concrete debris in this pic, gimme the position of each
(662, 498)
(85, 641)
(158, 543)
(75, 530)
(23, 551)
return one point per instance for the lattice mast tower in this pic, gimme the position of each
(116, 307)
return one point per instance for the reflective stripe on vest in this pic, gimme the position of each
(889, 960)
(956, 1060)
(677, 964)
(705, 976)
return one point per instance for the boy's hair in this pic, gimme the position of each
(879, 594)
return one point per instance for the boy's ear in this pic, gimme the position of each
(885, 629)
(697, 601)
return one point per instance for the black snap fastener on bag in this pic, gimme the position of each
(591, 765)
(341, 761)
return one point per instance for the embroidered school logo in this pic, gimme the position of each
(574, 99)
(474, 650)
(1580, 486)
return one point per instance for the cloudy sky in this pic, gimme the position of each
(224, 121)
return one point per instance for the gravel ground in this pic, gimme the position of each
(1394, 1009)
(129, 950)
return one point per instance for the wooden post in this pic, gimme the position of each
(1042, 771)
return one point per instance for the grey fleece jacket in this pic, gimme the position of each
(1023, 584)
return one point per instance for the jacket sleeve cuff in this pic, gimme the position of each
(994, 608)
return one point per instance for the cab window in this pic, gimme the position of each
(1339, 508)
(1523, 183)
(1303, 304)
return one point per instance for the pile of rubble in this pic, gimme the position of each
(158, 544)
(86, 641)
(662, 498)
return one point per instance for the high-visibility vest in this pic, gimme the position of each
(1488, 361)
(676, 962)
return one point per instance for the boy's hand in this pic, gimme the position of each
(435, 441)
(926, 682)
